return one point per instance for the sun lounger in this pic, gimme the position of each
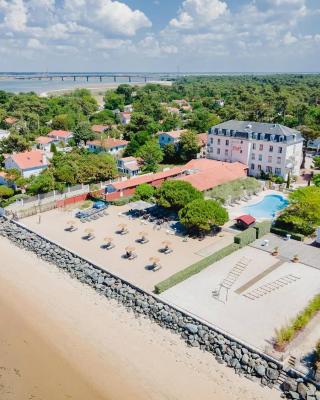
(132, 257)
(90, 237)
(156, 268)
(168, 251)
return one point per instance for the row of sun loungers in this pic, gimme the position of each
(94, 217)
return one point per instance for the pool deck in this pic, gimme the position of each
(237, 210)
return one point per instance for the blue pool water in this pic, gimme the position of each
(268, 207)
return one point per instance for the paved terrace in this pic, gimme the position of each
(265, 292)
(308, 254)
(53, 224)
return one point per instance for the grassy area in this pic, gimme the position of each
(195, 268)
(85, 204)
(289, 331)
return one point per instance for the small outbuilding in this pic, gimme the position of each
(245, 221)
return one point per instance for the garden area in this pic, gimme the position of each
(236, 190)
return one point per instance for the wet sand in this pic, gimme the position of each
(59, 340)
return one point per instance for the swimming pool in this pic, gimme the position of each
(268, 207)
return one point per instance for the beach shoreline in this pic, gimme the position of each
(91, 347)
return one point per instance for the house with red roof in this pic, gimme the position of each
(125, 118)
(171, 137)
(109, 145)
(28, 163)
(44, 143)
(60, 136)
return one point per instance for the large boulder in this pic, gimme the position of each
(260, 370)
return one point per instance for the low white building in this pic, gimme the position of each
(271, 148)
(125, 118)
(44, 143)
(129, 165)
(60, 136)
(29, 163)
(108, 145)
(172, 137)
(4, 134)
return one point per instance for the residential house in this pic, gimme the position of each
(271, 148)
(4, 134)
(128, 108)
(28, 163)
(11, 120)
(203, 142)
(99, 128)
(129, 165)
(172, 137)
(125, 118)
(109, 145)
(60, 136)
(44, 143)
(314, 145)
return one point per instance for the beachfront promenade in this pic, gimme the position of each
(243, 358)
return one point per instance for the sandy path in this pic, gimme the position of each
(59, 340)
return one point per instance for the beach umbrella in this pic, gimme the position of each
(143, 234)
(154, 260)
(108, 239)
(166, 243)
(89, 231)
(130, 249)
(122, 226)
(71, 222)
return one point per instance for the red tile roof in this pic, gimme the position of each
(133, 182)
(44, 140)
(174, 134)
(247, 219)
(60, 134)
(207, 174)
(11, 120)
(29, 159)
(99, 128)
(108, 143)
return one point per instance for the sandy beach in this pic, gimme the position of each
(59, 340)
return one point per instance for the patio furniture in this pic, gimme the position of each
(90, 234)
(72, 226)
(143, 238)
(167, 247)
(155, 266)
(130, 255)
(109, 243)
(123, 230)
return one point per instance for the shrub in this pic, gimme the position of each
(284, 232)
(262, 228)
(121, 202)
(202, 215)
(246, 237)
(235, 189)
(288, 332)
(176, 194)
(144, 191)
(195, 268)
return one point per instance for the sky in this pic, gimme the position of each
(160, 35)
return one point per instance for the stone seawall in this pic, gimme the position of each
(244, 360)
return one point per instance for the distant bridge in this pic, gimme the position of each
(100, 76)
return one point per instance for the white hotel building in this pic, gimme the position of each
(272, 148)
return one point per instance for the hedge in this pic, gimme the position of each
(246, 237)
(288, 332)
(262, 228)
(283, 232)
(195, 268)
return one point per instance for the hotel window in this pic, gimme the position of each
(260, 157)
(219, 141)
(269, 169)
(227, 142)
(259, 167)
(269, 159)
(253, 146)
(271, 149)
(260, 147)
(252, 166)
(277, 171)
(278, 160)
(226, 152)
(218, 151)
(253, 156)
(280, 150)
(211, 140)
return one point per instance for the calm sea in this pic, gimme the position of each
(46, 85)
